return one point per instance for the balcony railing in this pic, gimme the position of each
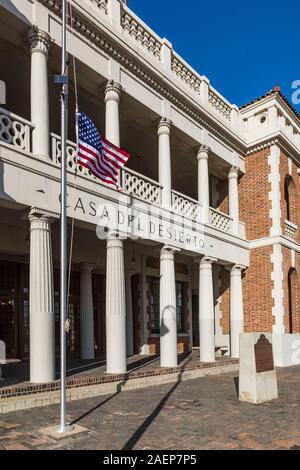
(132, 183)
(186, 206)
(15, 130)
(220, 221)
(290, 230)
(141, 186)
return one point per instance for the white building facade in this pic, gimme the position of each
(148, 264)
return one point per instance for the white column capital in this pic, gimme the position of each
(233, 172)
(164, 126)
(203, 152)
(38, 40)
(113, 91)
(167, 250)
(40, 217)
(236, 269)
(205, 260)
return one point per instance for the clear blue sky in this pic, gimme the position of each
(244, 47)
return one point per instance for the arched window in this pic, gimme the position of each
(290, 199)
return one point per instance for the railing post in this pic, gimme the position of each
(114, 12)
(27, 138)
(166, 54)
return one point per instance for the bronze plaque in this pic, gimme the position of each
(263, 355)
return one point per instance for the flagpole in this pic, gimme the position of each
(63, 223)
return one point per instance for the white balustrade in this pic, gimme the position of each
(186, 206)
(71, 156)
(140, 186)
(185, 73)
(15, 130)
(132, 183)
(290, 230)
(133, 26)
(219, 104)
(220, 221)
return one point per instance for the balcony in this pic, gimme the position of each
(290, 230)
(17, 132)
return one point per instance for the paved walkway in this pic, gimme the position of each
(198, 414)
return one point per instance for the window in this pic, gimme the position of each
(290, 199)
(155, 307)
(180, 303)
(154, 304)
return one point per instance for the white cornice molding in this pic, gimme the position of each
(275, 240)
(277, 139)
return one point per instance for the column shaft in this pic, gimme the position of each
(112, 120)
(168, 318)
(39, 43)
(42, 344)
(87, 346)
(203, 181)
(206, 311)
(164, 161)
(236, 310)
(115, 308)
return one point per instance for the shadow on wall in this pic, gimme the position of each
(8, 5)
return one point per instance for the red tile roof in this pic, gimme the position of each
(275, 91)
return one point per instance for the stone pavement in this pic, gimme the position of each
(198, 414)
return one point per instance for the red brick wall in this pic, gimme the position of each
(257, 291)
(254, 191)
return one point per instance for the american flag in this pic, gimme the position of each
(102, 158)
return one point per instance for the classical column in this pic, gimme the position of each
(39, 43)
(233, 197)
(112, 120)
(168, 318)
(87, 347)
(206, 311)
(129, 313)
(115, 307)
(203, 181)
(164, 160)
(41, 302)
(236, 309)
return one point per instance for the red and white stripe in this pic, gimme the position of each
(105, 165)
